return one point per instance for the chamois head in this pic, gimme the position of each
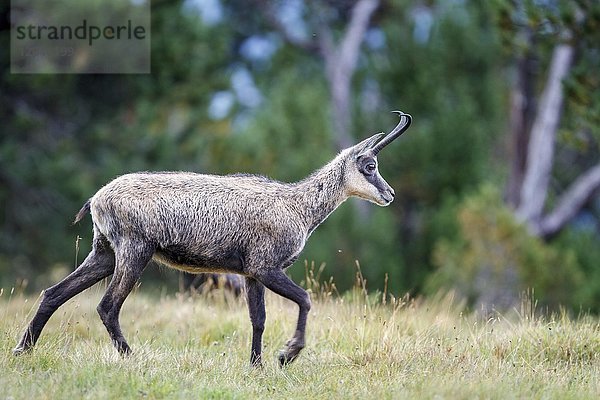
(363, 178)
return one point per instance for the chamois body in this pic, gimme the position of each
(242, 224)
(210, 223)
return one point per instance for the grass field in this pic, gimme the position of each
(357, 347)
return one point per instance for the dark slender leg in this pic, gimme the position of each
(278, 282)
(131, 259)
(234, 283)
(255, 294)
(193, 282)
(99, 264)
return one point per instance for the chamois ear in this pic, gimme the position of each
(368, 143)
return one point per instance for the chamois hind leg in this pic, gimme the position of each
(278, 282)
(255, 294)
(131, 259)
(99, 264)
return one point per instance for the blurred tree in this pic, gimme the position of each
(552, 178)
(568, 27)
(327, 19)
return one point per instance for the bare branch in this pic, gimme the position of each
(571, 202)
(543, 134)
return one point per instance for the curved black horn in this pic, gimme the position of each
(405, 121)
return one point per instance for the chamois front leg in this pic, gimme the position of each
(255, 294)
(278, 282)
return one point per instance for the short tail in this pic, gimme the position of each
(84, 210)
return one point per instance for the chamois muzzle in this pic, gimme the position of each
(405, 121)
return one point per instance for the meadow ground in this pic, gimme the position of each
(198, 347)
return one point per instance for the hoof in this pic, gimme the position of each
(123, 348)
(125, 352)
(17, 351)
(290, 352)
(256, 362)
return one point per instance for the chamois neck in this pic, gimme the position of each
(323, 191)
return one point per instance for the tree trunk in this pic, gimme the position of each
(540, 151)
(340, 60)
(522, 110)
(532, 168)
(340, 65)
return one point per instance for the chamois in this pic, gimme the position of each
(242, 224)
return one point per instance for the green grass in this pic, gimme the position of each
(198, 347)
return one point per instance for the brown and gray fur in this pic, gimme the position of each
(242, 224)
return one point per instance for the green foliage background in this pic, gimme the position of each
(64, 136)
